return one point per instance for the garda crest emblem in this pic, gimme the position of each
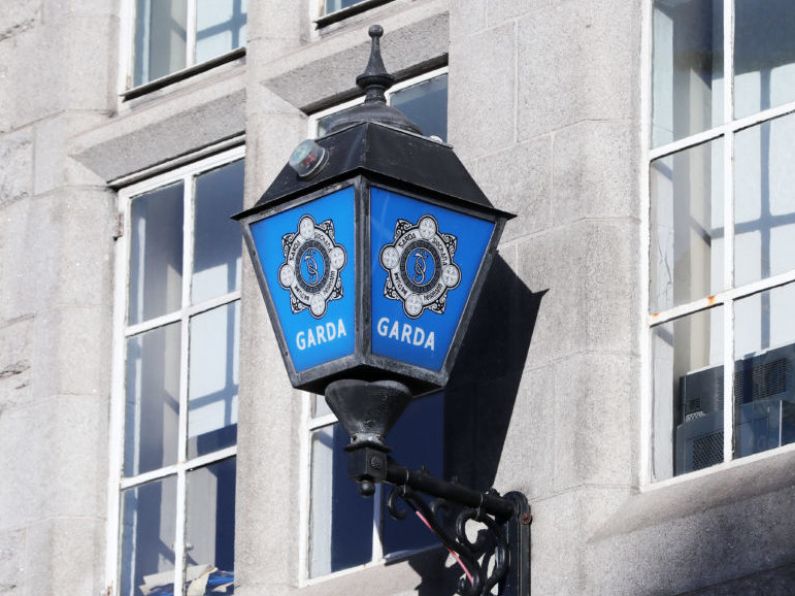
(420, 266)
(311, 271)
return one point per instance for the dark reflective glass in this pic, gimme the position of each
(151, 413)
(218, 240)
(687, 68)
(210, 533)
(220, 27)
(160, 38)
(687, 376)
(416, 440)
(341, 521)
(764, 377)
(764, 212)
(764, 55)
(425, 104)
(335, 5)
(148, 532)
(156, 253)
(213, 379)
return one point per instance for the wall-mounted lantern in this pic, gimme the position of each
(371, 248)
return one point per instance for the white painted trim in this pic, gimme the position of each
(126, 28)
(186, 174)
(726, 298)
(190, 40)
(644, 335)
(728, 231)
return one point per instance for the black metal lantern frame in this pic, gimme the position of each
(444, 182)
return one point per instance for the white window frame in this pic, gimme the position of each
(125, 83)
(117, 483)
(726, 298)
(309, 424)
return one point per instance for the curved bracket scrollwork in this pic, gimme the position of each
(474, 557)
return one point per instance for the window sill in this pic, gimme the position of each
(344, 13)
(183, 74)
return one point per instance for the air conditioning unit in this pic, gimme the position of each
(764, 396)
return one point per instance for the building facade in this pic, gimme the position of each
(630, 368)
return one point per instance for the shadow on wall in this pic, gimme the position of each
(480, 399)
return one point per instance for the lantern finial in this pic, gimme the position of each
(375, 79)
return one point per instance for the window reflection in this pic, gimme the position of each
(765, 203)
(687, 226)
(764, 55)
(152, 406)
(688, 393)
(425, 104)
(147, 538)
(687, 68)
(213, 379)
(210, 533)
(217, 239)
(220, 27)
(156, 253)
(160, 38)
(764, 352)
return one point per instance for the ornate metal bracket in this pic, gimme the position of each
(500, 555)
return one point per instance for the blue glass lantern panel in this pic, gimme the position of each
(307, 257)
(425, 260)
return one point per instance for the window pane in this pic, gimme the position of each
(217, 241)
(764, 55)
(156, 253)
(210, 532)
(688, 68)
(220, 27)
(341, 521)
(335, 5)
(417, 439)
(764, 378)
(213, 379)
(687, 375)
(324, 123)
(160, 37)
(152, 405)
(147, 538)
(764, 210)
(425, 104)
(687, 226)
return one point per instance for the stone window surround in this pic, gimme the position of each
(726, 299)
(121, 331)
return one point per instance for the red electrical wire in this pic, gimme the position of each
(450, 550)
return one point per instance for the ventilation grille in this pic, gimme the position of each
(707, 450)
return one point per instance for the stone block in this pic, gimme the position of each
(499, 11)
(595, 404)
(595, 171)
(75, 260)
(18, 17)
(16, 175)
(481, 103)
(577, 61)
(518, 179)
(528, 461)
(590, 271)
(467, 18)
(18, 263)
(15, 362)
(59, 466)
(54, 167)
(65, 556)
(12, 563)
(72, 351)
